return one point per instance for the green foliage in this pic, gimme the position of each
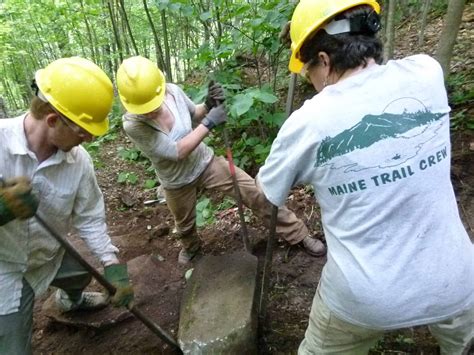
(226, 203)
(149, 184)
(401, 340)
(462, 121)
(461, 97)
(131, 154)
(204, 212)
(94, 147)
(127, 178)
(461, 88)
(254, 124)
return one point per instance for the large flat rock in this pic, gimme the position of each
(145, 272)
(217, 313)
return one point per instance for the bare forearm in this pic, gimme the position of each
(200, 112)
(187, 144)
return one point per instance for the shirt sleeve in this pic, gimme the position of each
(152, 142)
(189, 103)
(290, 161)
(89, 217)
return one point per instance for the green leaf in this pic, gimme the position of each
(187, 10)
(202, 204)
(132, 178)
(162, 4)
(122, 178)
(252, 141)
(265, 97)
(175, 7)
(149, 184)
(205, 16)
(275, 119)
(206, 213)
(200, 221)
(256, 22)
(241, 104)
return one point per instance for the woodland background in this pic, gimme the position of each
(193, 41)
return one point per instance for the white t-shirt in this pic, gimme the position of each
(162, 147)
(376, 148)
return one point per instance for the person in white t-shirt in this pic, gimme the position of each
(41, 160)
(159, 121)
(375, 145)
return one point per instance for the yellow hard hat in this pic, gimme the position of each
(311, 15)
(141, 85)
(80, 90)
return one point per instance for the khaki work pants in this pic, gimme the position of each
(326, 334)
(182, 204)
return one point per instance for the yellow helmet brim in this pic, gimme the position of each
(150, 106)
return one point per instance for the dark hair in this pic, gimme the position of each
(345, 50)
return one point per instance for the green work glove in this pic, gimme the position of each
(16, 200)
(215, 95)
(117, 275)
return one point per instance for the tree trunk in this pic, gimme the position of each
(452, 21)
(424, 16)
(115, 29)
(167, 46)
(389, 32)
(158, 49)
(89, 33)
(128, 28)
(3, 110)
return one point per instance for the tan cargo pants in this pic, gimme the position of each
(327, 334)
(182, 204)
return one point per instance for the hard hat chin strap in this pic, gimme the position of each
(37, 91)
(360, 24)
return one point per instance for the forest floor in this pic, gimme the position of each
(143, 235)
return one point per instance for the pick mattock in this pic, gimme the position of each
(267, 267)
(155, 328)
(240, 207)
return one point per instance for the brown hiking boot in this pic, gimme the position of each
(314, 247)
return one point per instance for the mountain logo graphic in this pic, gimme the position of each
(405, 118)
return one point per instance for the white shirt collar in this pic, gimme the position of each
(19, 146)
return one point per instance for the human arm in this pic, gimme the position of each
(200, 112)
(89, 220)
(290, 160)
(186, 145)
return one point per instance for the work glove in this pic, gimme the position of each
(117, 275)
(215, 117)
(16, 200)
(215, 95)
(284, 35)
